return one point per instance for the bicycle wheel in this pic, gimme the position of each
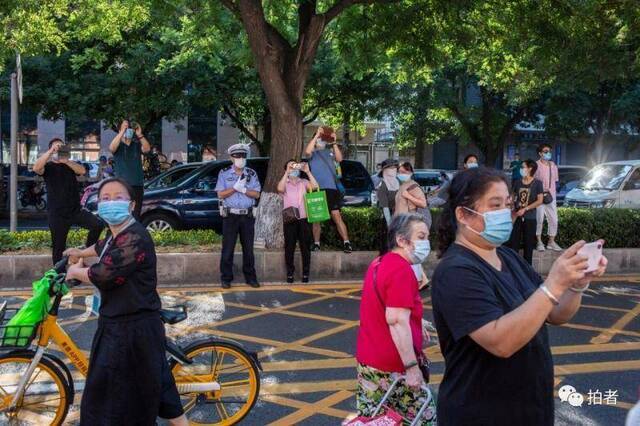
(229, 365)
(46, 396)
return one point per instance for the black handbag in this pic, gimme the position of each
(547, 198)
(290, 215)
(423, 362)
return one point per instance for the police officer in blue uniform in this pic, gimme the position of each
(238, 187)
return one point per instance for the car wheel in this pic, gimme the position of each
(159, 223)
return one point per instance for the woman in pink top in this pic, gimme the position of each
(390, 338)
(293, 186)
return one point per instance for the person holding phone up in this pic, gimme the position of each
(295, 182)
(322, 163)
(127, 154)
(491, 310)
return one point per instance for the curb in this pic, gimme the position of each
(181, 269)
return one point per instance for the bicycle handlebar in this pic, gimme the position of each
(61, 269)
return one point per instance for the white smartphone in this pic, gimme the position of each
(592, 251)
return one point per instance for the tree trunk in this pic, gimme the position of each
(420, 149)
(286, 135)
(492, 153)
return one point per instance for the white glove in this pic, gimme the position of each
(241, 185)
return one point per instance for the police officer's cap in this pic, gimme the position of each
(239, 148)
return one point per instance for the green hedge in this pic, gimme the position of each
(41, 240)
(619, 227)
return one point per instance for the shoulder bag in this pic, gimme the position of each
(547, 198)
(291, 214)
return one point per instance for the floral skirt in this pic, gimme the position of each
(373, 384)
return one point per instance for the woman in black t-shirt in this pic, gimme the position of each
(386, 193)
(490, 309)
(527, 196)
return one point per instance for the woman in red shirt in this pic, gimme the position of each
(390, 335)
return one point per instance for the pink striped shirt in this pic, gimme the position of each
(294, 195)
(542, 174)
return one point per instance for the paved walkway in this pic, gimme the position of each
(305, 336)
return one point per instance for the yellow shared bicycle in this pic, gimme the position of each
(218, 380)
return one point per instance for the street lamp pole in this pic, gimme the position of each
(13, 182)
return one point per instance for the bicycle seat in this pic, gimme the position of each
(173, 316)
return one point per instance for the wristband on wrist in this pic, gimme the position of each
(579, 289)
(410, 365)
(550, 295)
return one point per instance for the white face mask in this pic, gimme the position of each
(240, 162)
(320, 144)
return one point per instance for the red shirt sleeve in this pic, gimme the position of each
(400, 285)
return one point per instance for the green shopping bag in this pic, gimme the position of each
(20, 328)
(316, 205)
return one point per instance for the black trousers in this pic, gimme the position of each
(232, 226)
(129, 381)
(524, 233)
(60, 223)
(138, 192)
(300, 232)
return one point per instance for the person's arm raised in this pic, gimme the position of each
(511, 332)
(115, 143)
(38, 166)
(308, 151)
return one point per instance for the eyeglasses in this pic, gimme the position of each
(238, 155)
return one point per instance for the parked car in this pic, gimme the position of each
(569, 178)
(614, 184)
(172, 175)
(191, 202)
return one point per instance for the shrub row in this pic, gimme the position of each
(41, 240)
(619, 227)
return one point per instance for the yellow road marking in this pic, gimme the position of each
(293, 403)
(276, 344)
(599, 329)
(311, 409)
(608, 334)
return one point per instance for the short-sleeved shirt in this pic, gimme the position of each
(386, 198)
(524, 195)
(322, 165)
(402, 204)
(63, 195)
(398, 288)
(128, 163)
(228, 177)
(543, 174)
(126, 273)
(294, 195)
(479, 388)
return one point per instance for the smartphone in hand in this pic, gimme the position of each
(593, 252)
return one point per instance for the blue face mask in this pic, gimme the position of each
(497, 226)
(128, 134)
(114, 212)
(403, 178)
(421, 251)
(294, 173)
(472, 165)
(547, 156)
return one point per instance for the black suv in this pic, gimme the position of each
(191, 202)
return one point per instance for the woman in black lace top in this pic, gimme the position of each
(129, 381)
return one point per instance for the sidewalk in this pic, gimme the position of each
(330, 266)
